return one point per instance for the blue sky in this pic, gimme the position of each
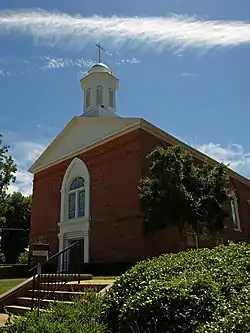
(183, 65)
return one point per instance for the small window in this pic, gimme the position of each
(76, 198)
(111, 98)
(99, 95)
(235, 213)
(87, 100)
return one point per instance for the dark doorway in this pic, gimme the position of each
(76, 256)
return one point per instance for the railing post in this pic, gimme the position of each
(33, 290)
(79, 262)
(39, 271)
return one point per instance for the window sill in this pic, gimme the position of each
(75, 220)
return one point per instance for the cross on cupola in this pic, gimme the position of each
(100, 48)
(99, 87)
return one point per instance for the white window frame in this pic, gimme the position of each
(235, 213)
(76, 192)
(77, 168)
(78, 228)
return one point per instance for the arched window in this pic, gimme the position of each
(235, 212)
(111, 98)
(87, 98)
(99, 95)
(76, 202)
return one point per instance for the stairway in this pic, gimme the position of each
(65, 292)
(58, 279)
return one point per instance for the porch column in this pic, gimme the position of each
(86, 247)
(61, 243)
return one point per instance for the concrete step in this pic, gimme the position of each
(58, 294)
(87, 285)
(17, 309)
(27, 301)
(52, 286)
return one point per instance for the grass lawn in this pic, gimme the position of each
(7, 284)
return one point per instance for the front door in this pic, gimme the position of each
(76, 256)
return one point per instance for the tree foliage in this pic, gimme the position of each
(198, 290)
(16, 214)
(7, 169)
(23, 257)
(180, 192)
(14, 210)
(2, 257)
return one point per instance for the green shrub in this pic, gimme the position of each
(23, 257)
(64, 318)
(2, 257)
(195, 291)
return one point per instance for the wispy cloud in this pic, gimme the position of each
(4, 72)
(54, 63)
(131, 61)
(232, 155)
(18, 66)
(24, 154)
(188, 74)
(159, 32)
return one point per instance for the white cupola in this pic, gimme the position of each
(99, 87)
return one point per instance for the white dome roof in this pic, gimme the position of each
(100, 68)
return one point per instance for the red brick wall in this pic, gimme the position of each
(116, 226)
(45, 214)
(116, 222)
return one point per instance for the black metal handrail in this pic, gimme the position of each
(53, 274)
(55, 255)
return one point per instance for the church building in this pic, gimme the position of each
(86, 183)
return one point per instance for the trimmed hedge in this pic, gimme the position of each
(13, 271)
(195, 291)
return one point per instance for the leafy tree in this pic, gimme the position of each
(16, 214)
(2, 258)
(7, 169)
(180, 192)
(23, 257)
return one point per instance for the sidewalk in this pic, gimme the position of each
(3, 318)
